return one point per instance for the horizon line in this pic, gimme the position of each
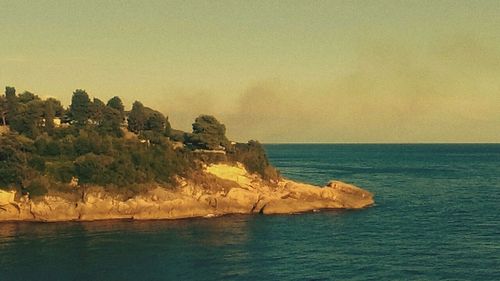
(401, 143)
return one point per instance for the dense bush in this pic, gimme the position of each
(61, 171)
(253, 156)
(208, 133)
(39, 156)
(14, 155)
(38, 186)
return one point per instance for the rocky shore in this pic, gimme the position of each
(232, 190)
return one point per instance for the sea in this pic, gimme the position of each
(436, 217)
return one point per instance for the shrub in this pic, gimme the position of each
(91, 168)
(38, 163)
(254, 158)
(38, 186)
(208, 133)
(62, 171)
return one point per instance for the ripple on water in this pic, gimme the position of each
(436, 218)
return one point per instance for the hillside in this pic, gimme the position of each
(53, 148)
(94, 160)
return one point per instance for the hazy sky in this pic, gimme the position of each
(277, 71)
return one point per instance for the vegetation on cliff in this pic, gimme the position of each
(52, 148)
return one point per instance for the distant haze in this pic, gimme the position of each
(277, 71)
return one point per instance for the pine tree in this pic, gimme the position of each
(79, 110)
(136, 118)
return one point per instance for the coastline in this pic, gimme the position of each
(230, 190)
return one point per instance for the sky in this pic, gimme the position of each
(275, 71)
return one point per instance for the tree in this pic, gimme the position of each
(29, 118)
(12, 104)
(48, 116)
(56, 106)
(13, 159)
(91, 168)
(37, 186)
(42, 157)
(116, 103)
(136, 118)
(155, 121)
(178, 135)
(10, 93)
(79, 110)
(208, 133)
(253, 156)
(97, 111)
(111, 122)
(168, 128)
(4, 109)
(26, 97)
(46, 146)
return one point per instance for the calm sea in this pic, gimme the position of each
(437, 217)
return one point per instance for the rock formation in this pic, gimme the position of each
(232, 190)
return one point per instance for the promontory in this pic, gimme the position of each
(97, 161)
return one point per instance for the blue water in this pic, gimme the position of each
(437, 217)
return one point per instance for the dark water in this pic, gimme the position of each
(437, 218)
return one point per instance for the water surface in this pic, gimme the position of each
(437, 217)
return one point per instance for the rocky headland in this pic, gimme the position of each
(225, 189)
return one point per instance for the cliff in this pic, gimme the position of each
(223, 189)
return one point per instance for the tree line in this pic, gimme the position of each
(97, 143)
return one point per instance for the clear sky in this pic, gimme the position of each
(277, 71)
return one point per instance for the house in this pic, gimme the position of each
(57, 122)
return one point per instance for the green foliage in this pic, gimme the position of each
(11, 103)
(38, 186)
(151, 137)
(96, 111)
(10, 93)
(61, 171)
(155, 121)
(37, 162)
(79, 110)
(253, 156)
(4, 109)
(67, 145)
(89, 141)
(168, 128)
(136, 118)
(27, 97)
(14, 154)
(56, 106)
(117, 104)
(208, 133)
(12, 160)
(39, 156)
(143, 119)
(178, 135)
(111, 122)
(48, 116)
(28, 119)
(91, 168)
